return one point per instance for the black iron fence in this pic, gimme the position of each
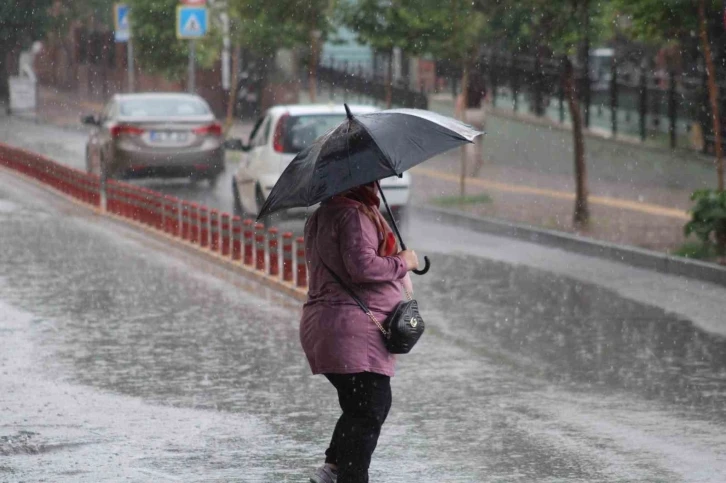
(622, 99)
(354, 80)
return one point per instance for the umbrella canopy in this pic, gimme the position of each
(362, 149)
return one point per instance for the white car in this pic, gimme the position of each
(278, 136)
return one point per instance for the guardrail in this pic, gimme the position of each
(237, 240)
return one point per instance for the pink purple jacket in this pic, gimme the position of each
(336, 335)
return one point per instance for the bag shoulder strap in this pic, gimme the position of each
(344, 285)
(353, 295)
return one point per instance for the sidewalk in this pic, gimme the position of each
(638, 195)
(64, 109)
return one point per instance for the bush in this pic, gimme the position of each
(696, 250)
(708, 219)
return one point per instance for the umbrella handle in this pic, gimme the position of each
(427, 265)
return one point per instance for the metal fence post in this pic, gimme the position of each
(586, 94)
(248, 238)
(493, 72)
(273, 243)
(538, 81)
(236, 238)
(214, 230)
(514, 84)
(260, 247)
(194, 223)
(561, 93)
(643, 102)
(672, 108)
(225, 234)
(287, 262)
(614, 97)
(203, 226)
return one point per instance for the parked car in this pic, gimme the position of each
(156, 135)
(281, 133)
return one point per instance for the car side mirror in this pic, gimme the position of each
(235, 144)
(90, 120)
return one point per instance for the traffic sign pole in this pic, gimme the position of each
(192, 67)
(130, 64)
(191, 24)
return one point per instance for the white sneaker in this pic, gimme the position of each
(324, 475)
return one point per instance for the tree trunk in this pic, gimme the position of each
(313, 67)
(232, 101)
(582, 213)
(464, 103)
(389, 81)
(712, 92)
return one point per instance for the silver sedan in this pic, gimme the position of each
(156, 134)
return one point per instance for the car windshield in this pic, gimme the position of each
(301, 131)
(163, 107)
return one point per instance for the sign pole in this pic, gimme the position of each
(130, 64)
(190, 79)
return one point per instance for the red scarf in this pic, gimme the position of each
(368, 198)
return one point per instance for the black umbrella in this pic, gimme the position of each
(363, 149)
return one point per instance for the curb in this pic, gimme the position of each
(207, 255)
(158, 232)
(635, 257)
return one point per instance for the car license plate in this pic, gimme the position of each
(167, 136)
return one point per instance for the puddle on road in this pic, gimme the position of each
(579, 334)
(31, 443)
(124, 318)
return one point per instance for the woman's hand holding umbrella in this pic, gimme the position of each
(410, 258)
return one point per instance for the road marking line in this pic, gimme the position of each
(648, 208)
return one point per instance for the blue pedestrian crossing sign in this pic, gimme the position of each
(122, 27)
(191, 22)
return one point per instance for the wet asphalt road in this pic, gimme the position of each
(125, 361)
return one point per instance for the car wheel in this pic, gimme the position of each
(212, 179)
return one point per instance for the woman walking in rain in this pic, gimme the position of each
(348, 238)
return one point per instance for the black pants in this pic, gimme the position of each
(365, 399)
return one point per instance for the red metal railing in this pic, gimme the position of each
(239, 240)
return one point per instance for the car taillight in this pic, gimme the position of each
(122, 129)
(212, 130)
(277, 139)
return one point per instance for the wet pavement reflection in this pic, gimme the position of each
(515, 366)
(580, 334)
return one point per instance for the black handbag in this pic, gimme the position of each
(402, 329)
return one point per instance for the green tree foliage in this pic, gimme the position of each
(411, 25)
(414, 26)
(263, 27)
(660, 22)
(708, 219)
(157, 49)
(66, 12)
(20, 24)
